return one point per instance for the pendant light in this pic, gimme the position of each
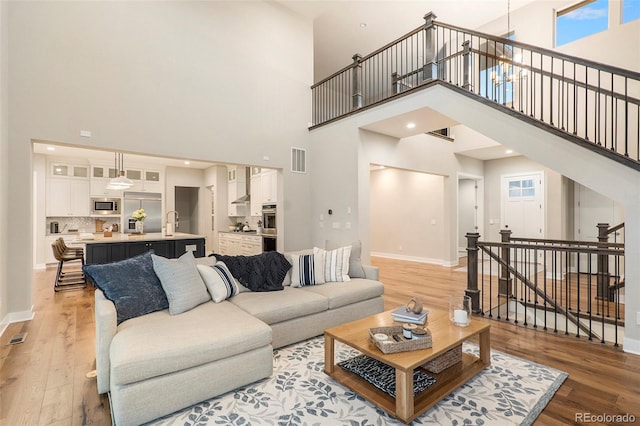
(120, 181)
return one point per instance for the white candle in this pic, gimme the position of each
(460, 316)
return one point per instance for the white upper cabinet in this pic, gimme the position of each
(68, 197)
(269, 186)
(256, 195)
(69, 170)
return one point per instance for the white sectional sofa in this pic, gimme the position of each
(159, 363)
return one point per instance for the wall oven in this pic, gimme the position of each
(105, 206)
(269, 219)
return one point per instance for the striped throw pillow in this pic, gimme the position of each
(219, 281)
(336, 263)
(307, 270)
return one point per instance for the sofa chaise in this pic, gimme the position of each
(158, 363)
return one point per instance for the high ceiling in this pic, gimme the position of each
(344, 27)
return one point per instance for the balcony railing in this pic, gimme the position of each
(569, 287)
(590, 103)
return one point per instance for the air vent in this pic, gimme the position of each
(17, 338)
(298, 160)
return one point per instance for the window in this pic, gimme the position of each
(524, 188)
(581, 20)
(630, 10)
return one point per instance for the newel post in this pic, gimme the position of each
(466, 65)
(504, 281)
(472, 271)
(356, 74)
(603, 264)
(430, 67)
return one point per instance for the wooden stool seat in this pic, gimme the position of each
(69, 279)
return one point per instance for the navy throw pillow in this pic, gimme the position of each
(132, 285)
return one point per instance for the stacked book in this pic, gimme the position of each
(402, 315)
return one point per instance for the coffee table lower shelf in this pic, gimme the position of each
(446, 382)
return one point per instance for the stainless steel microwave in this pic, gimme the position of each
(105, 206)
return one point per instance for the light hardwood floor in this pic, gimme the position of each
(43, 380)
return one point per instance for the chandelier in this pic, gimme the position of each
(120, 181)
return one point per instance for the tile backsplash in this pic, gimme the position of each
(82, 224)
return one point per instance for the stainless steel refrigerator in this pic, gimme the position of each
(152, 205)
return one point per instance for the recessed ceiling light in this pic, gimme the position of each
(187, 163)
(50, 148)
(411, 125)
(509, 151)
(363, 24)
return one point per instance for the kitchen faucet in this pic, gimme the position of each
(176, 222)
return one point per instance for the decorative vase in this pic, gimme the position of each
(139, 227)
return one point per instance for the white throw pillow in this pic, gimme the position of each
(219, 281)
(336, 263)
(307, 269)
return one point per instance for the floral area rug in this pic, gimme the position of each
(512, 391)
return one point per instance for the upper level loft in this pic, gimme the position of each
(592, 104)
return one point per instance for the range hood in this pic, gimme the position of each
(245, 199)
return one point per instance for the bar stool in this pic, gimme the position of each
(70, 279)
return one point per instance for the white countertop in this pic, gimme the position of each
(119, 237)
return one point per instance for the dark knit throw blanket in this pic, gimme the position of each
(262, 272)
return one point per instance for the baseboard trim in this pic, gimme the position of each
(12, 317)
(414, 259)
(631, 346)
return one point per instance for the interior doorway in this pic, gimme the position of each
(470, 209)
(186, 202)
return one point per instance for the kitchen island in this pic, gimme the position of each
(120, 246)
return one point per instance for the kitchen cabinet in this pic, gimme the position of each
(69, 170)
(236, 189)
(105, 253)
(230, 244)
(100, 253)
(99, 189)
(250, 245)
(161, 248)
(269, 186)
(68, 197)
(239, 244)
(145, 180)
(256, 195)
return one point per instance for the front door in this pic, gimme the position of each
(523, 204)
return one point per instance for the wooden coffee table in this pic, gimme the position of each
(405, 406)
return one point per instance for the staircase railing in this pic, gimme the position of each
(591, 103)
(553, 284)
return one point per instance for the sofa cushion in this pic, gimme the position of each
(159, 343)
(355, 258)
(342, 294)
(132, 285)
(274, 307)
(181, 282)
(219, 281)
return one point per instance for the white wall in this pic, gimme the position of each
(215, 81)
(4, 167)
(407, 213)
